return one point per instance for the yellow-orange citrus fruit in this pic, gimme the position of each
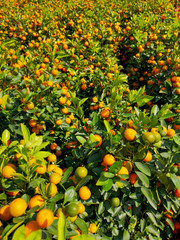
(130, 134)
(52, 158)
(55, 178)
(8, 171)
(148, 157)
(170, 132)
(17, 207)
(124, 171)
(52, 189)
(41, 169)
(44, 218)
(81, 208)
(31, 227)
(58, 170)
(105, 113)
(92, 228)
(4, 213)
(84, 193)
(36, 200)
(109, 159)
(177, 193)
(98, 138)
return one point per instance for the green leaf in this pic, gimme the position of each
(19, 233)
(167, 115)
(148, 194)
(2, 149)
(126, 235)
(83, 237)
(25, 132)
(175, 180)
(141, 101)
(102, 181)
(143, 168)
(3, 196)
(152, 218)
(108, 174)
(171, 224)
(82, 225)
(115, 167)
(82, 101)
(92, 138)
(152, 229)
(83, 182)
(5, 136)
(108, 185)
(143, 178)
(66, 175)
(41, 155)
(176, 138)
(107, 125)
(61, 226)
(5, 97)
(81, 139)
(36, 235)
(70, 195)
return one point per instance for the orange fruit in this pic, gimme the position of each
(93, 228)
(81, 208)
(17, 207)
(58, 170)
(31, 227)
(52, 158)
(44, 218)
(148, 157)
(123, 170)
(109, 159)
(32, 123)
(53, 146)
(55, 178)
(130, 134)
(30, 106)
(36, 200)
(105, 113)
(177, 193)
(170, 132)
(41, 169)
(62, 100)
(98, 138)
(84, 193)
(4, 213)
(58, 122)
(8, 171)
(51, 167)
(132, 178)
(52, 189)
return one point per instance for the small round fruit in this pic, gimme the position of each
(130, 134)
(93, 228)
(72, 209)
(17, 207)
(31, 227)
(81, 208)
(81, 172)
(115, 202)
(4, 213)
(44, 218)
(157, 137)
(55, 178)
(109, 159)
(8, 171)
(84, 193)
(149, 137)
